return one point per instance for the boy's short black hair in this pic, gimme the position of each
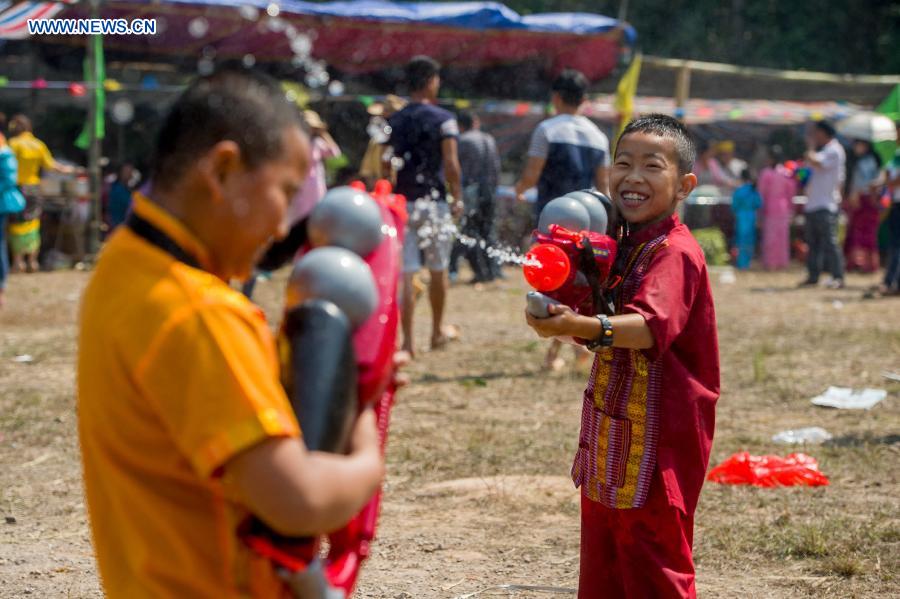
(825, 127)
(419, 71)
(465, 119)
(246, 107)
(571, 85)
(671, 128)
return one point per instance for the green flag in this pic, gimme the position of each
(891, 109)
(95, 80)
(891, 105)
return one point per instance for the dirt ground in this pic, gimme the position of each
(477, 494)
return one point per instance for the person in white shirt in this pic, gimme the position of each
(827, 159)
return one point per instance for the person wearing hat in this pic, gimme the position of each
(322, 147)
(370, 170)
(725, 154)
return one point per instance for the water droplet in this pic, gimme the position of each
(336, 88)
(397, 163)
(198, 27)
(205, 66)
(312, 80)
(122, 111)
(251, 13)
(276, 24)
(383, 319)
(301, 45)
(420, 178)
(273, 9)
(248, 60)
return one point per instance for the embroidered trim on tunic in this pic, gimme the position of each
(616, 453)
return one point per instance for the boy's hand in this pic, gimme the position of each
(401, 359)
(562, 321)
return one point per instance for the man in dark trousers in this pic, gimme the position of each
(827, 159)
(480, 164)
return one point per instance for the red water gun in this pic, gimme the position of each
(337, 343)
(572, 256)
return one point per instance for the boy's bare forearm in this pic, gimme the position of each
(629, 330)
(339, 486)
(298, 492)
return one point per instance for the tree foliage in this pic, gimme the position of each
(840, 36)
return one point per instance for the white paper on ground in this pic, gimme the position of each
(845, 398)
(811, 435)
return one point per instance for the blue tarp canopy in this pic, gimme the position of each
(368, 35)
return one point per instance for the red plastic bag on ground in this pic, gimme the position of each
(797, 469)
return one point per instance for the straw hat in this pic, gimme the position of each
(313, 120)
(725, 146)
(390, 105)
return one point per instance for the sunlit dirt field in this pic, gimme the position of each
(477, 494)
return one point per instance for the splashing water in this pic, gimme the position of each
(434, 225)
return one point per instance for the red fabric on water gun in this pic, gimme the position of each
(574, 290)
(374, 345)
(797, 469)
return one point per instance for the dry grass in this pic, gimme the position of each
(481, 444)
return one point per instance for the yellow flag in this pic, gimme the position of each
(295, 93)
(626, 91)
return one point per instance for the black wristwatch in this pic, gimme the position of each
(605, 339)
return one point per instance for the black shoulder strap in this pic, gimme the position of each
(152, 235)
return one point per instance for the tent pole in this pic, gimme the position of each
(94, 150)
(682, 87)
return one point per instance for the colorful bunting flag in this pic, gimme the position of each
(14, 19)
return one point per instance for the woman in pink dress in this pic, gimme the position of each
(777, 187)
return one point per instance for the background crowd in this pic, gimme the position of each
(837, 206)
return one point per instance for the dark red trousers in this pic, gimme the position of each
(637, 553)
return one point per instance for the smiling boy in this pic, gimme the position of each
(185, 429)
(649, 407)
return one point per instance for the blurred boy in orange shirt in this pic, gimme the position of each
(184, 427)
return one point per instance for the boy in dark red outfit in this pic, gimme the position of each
(649, 408)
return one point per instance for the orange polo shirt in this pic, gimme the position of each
(177, 374)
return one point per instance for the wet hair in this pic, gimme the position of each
(419, 71)
(19, 124)
(465, 119)
(825, 127)
(662, 125)
(571, 85)
(245, 107)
